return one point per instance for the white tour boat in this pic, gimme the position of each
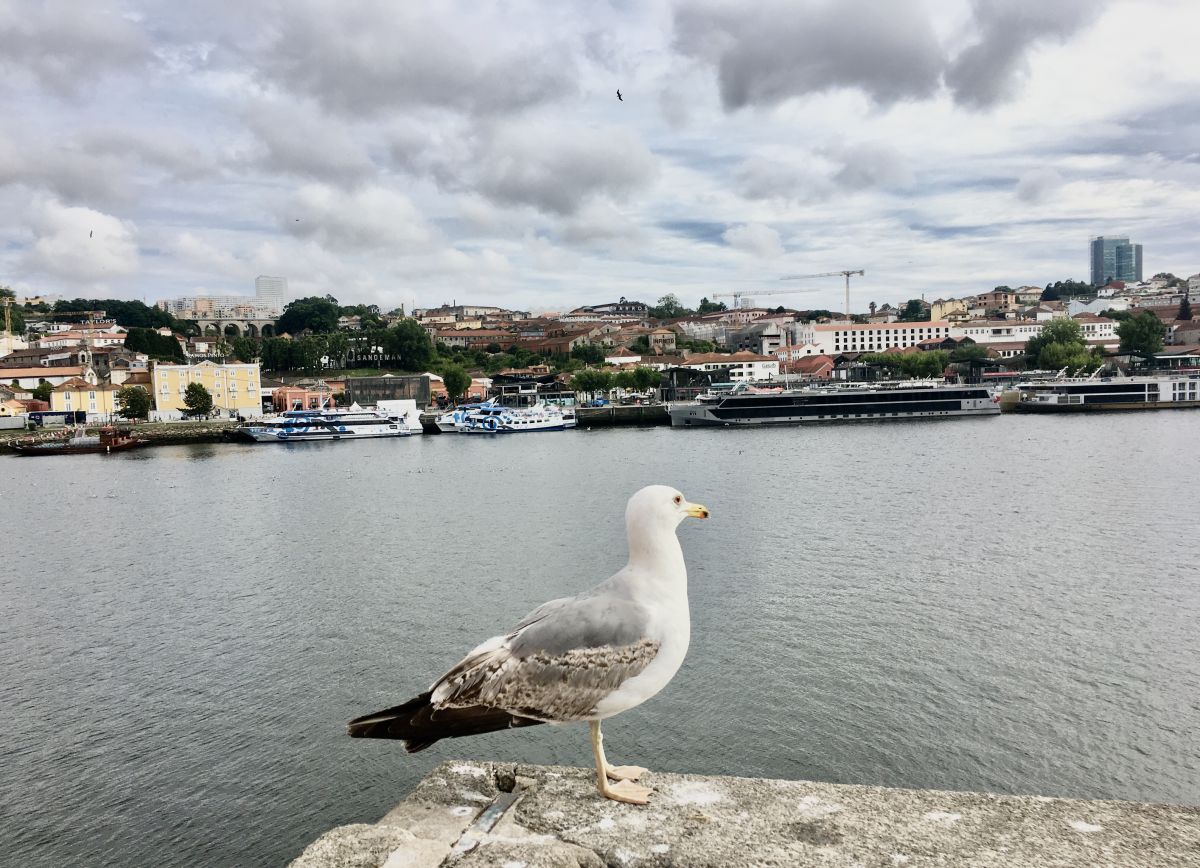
(516, 420)
(354, 423)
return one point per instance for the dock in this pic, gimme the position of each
(473, 814)
(625, 415)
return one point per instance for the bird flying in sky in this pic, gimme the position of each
(577, 659)
(621, 98)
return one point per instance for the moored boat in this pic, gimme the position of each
(1092, 394)
(517, 420)
(109, 439)
(885, 401)
(354, 423)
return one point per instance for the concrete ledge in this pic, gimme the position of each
(473, 814)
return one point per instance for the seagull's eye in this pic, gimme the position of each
(678, 500)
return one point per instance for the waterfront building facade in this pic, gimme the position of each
(234, 387)
(745, 366)
(97, 400)
(1114, 257)
(835, 338)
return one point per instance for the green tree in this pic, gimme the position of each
(17, 312)
(408, 341)
(41, 391)
(1061, 289)
(591, 380)
(316, 314)
(130, 314)
(969, 353)
(494, 348)
(1060, 344)
(624, 379)
(1185, 309)
(165, 348)
(247, 349)
(1142, 333)
(456, 380)
(337, 345)
(669, 307)
(197, 400)
(645, 378)
(914, 311)
(707, 306)
(134, 402)
(590, 353)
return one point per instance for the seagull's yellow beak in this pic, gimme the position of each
(695, 510)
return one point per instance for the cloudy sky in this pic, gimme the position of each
(390, 153)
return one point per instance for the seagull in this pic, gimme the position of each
(576, 659)
(621, 98)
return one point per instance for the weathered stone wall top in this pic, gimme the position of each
(471, 814)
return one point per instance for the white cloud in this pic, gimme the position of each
(80, 244)
(374, 218)
(451, 150)
(756, 239)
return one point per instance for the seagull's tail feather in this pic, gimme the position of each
(418, 724)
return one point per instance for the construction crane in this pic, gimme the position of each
(845, 274)
(737, 294)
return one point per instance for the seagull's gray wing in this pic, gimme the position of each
(558, 663)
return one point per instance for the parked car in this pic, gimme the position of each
(598, 402)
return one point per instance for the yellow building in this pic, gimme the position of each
(235, 387)
(942, 309)
(97, 400)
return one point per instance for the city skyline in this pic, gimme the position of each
(408, 157)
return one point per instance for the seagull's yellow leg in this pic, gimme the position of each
(625, 790)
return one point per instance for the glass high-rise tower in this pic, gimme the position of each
(1114, 258)
(271, 291)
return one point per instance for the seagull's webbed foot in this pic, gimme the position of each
(624, 773)
(627, 792)
(624, 790)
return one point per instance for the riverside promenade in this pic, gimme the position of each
(472, 814)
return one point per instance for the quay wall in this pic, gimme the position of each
(635, 415)
(472, 814)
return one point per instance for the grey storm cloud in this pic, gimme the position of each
(989, 70)
(557, 170)
(66, 47)
(367, 56)
(297, 139)
(824, 173)
(1038, 184)
(765, 53)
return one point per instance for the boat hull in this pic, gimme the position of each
(67, 449)
(1046, 407)
(844, 405)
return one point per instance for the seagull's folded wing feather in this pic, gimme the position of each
(564, 658)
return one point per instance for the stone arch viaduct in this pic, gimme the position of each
(237, 328)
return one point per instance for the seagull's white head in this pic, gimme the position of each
(660, 506)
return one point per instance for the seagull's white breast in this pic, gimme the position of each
(670, 625)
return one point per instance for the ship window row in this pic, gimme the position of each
(846, 409)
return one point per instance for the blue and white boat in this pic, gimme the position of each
(517, 420)
(354, 423)
(455, 421)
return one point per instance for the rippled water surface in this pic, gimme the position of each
(1001, 604)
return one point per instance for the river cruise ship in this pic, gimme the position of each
(1081, 395)
(352, 424)
(747, 405)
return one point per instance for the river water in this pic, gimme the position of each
(1005, 604)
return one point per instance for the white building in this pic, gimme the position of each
(271, 292)
(1004, 331)
(749, 367)
(835, 338)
